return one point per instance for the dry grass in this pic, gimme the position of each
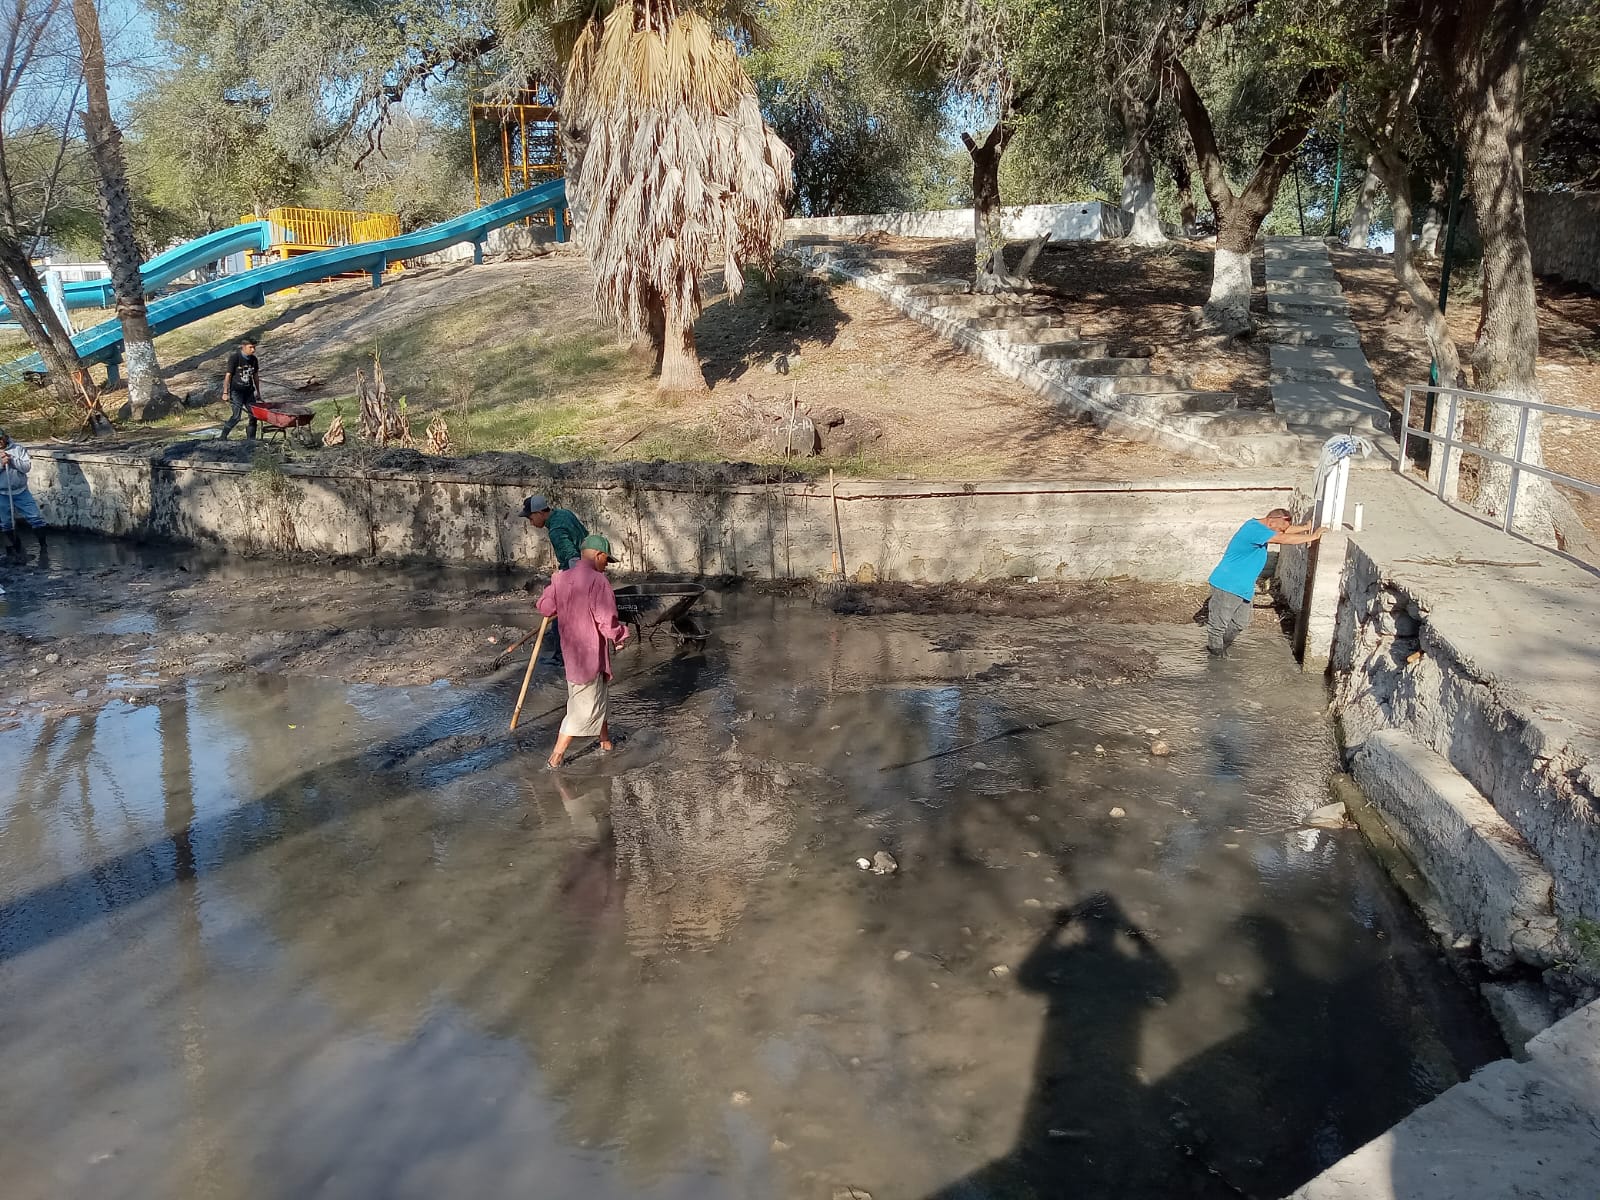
(513, 356)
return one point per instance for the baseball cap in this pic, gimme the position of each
(534, 504)
(595, 542)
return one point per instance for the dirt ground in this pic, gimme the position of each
(211, 618)
(513, 357)
(1137, 299)
(1569, 354)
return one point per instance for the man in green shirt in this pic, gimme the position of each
(565, 530)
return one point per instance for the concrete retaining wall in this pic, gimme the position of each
(536, 238)
(1087, 220)
(1564, 235)
(919, 532)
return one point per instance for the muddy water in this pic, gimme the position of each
(277, 936)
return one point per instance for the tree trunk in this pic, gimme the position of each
(41, 325)
(1141, 220)
(988, 226)
(1239, 217)
(680, 363)
(1481, 56)
(1396, 175)
(1432, 226)
(1227, 308)
(1186, 208)
(1361, 219)
(121, 243)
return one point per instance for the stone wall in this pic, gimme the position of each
(1564, 235)
(1086, 220)
(918, 532)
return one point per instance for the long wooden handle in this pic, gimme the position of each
(515, 646)
(838, 538)
(528, 675)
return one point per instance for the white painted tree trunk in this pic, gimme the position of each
(1361, 219)
(1432, 227)
(1228, 307)
(144, 377)
(1142, 220)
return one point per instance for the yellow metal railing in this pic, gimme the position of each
(295, 229)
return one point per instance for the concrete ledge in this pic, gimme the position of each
(1086, 220)
(446, 512)
(1487, 876)
(1514, 1131)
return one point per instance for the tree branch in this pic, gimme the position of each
(1315, 88)
(1213, 175)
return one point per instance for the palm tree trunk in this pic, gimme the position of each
(116, 210)
(680, 364)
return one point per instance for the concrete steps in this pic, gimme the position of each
(1025, 337)
(1320, 364)
(1491, 882)
(1311, 331)
(1065, 351)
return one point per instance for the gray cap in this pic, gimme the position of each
(535, 504)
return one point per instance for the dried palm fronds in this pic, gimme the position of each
(671, 170)
(335, 434)
(439, 438)
(382, 422)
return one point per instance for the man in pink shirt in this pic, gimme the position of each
(587, 607)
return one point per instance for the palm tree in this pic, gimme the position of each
(670, 168)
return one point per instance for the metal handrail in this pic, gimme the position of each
(1515, 462)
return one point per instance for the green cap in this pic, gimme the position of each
(595, 542)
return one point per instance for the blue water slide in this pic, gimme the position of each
(103, 343)
(169, 265)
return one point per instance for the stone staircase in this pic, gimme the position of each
(1321, 382)
(1318, 369)
(1029, 339)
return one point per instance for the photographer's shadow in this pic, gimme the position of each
(1091, 1128)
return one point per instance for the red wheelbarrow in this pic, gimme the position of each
(281, 418)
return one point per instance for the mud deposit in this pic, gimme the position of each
(284, 911)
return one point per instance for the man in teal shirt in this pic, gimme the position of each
(565, 530)
(1233, 583)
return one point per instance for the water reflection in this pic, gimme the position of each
(381, 953)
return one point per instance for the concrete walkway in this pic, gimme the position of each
(1321, 382)
(1523, 1130)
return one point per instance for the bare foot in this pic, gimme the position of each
(606, 747)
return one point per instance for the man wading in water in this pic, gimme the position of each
(1233, 583)
(587, 607)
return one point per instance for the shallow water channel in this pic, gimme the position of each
(295, 937)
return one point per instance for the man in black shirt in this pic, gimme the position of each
(242, 387)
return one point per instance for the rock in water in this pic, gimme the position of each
(1329, 816)
(1118, 812)
(883, 863)
(901, 955)
(1160, 749)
